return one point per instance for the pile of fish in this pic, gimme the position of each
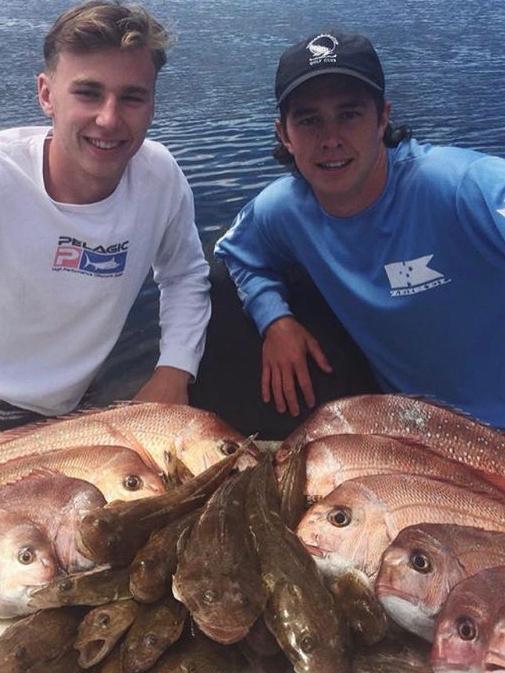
(411, 497)
(150, 537)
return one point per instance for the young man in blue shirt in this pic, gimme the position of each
(404, 241)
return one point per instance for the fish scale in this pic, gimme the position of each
(218, 576)
(465, 625)
(447, 554)
(159, 432)
(372, 510)
(106, 467)
(444, 431)
(338, 458)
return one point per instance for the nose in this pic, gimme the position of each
(331, 134)
(108, 114)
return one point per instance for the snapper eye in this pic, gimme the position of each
(26, 556)
(132, 482)
(420, 561)
(466, 627)
(339, 517)
(228, 447)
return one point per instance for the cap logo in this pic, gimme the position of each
(323, 49)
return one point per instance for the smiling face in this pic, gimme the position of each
(101, 104)
(334, 132)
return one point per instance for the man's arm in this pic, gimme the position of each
(181, 273)
(286, 346)
(167, 384)
(255, 267)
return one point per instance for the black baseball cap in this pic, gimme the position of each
(331, 52)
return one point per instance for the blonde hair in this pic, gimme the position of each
(102, 23)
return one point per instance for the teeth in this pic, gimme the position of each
(335, 164)
(104, 144)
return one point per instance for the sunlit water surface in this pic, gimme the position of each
(444, 64)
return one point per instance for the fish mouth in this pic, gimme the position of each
(387, 590)
(223, 635)
(315, 551)
(494, 662)
(92, 653)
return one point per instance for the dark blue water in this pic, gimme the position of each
(444, 65)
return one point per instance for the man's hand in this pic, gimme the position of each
(285, 350)
(167, 384)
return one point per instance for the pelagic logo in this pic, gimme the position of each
(501, 211)
(323, 48)
(79, 257)
(413, 276)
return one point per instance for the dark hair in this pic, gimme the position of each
(106, 23)
(393, 135)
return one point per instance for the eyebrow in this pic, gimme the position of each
(346, 105)
(92, 84)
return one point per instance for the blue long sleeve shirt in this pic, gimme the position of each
(417, 278)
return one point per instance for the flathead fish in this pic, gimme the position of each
(65, 662)
(38, 641)
(55, 503)
(156, 627)
(446, 432)
(292, 483)
(115, 533)
(27, 561)
(111, 663)
(402, 654)
(332, 460)
(154, 564)
(367, 619)
(464, 626)
(197, 654)
(166, 433)
(355, 523)
(95, 587)
(422, 565)
(101, 629)
(118, 472)
(218, 574)
(301, 613)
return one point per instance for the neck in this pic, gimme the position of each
(67, 186)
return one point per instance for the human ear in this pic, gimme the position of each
(282, 134)
(384, 118)
(44, 93)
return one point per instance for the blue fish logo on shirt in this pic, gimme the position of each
(103, 264)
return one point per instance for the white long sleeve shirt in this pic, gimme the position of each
(69, 274)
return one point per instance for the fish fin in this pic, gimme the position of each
(82, 412)
(128, 440)
(192, 500)
(181, 473)
(183, 540)
(23, 430)
(34, 474)
(428, 399)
